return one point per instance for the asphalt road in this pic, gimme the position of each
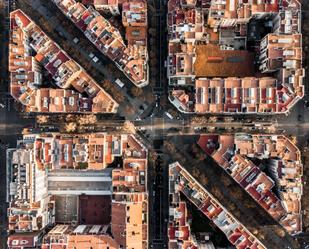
(255, 218)
(157, 127)
(11, 125)
(43, 12)
(11, 122)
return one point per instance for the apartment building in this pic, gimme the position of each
(106, 6)
(79, 237)
(26, 74)
(225, 76)
(179, 231)
(224, 13)
(132, 58)
(180, 64)
(45, 169)
(180, 181)
(283, 54)
(242, 95)
(129, 223)
(183, 100)
(90, 151)
(30, 208)
(24, 240)
(184, 24)
(244, 156)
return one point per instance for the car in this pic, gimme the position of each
(95, 59)
(61, 34)
(157, 101)
(169, 115)
(75, 40)
(119, 83)
(133, 165)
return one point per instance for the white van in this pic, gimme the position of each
(119, 83)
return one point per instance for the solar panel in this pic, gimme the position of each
(95, 229)
(80, 229)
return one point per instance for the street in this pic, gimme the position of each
(151, 122)
(63, 31)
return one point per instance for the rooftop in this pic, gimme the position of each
(213, 54)
(70, 184)
(132, 59)
(241, 154)
(181, 181)
(211, 61)
(26, 73)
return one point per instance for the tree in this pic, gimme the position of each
(213, 119)
(153, 156)
(129, 127)
(173, 112)
(150, 98)
(152, 31)
(152, 54)
(237, 192)
(169, 147)
(71, 127)
(42, 119)
(249, 204)
(87, 119)
(70, 118)
(117, 95)
(216, 192)
(111, 67)
(232, 207)
(195, 149)
(136, 92)
(153, 63)
(225, 180)
(129, 109)
(106, 84)
(201, 156)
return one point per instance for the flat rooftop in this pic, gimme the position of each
(66, 208)
(95, 209)
(213, 62)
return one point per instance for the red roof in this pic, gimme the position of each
(171, 232)
(22, 17)
(249, 177)
(21, 240)
(235, 236)
(208, 143)
(81, 25)
(95, 209)
(252, 191)
(52, 66)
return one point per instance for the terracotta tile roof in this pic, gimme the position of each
(27, 76)
(213, 62)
